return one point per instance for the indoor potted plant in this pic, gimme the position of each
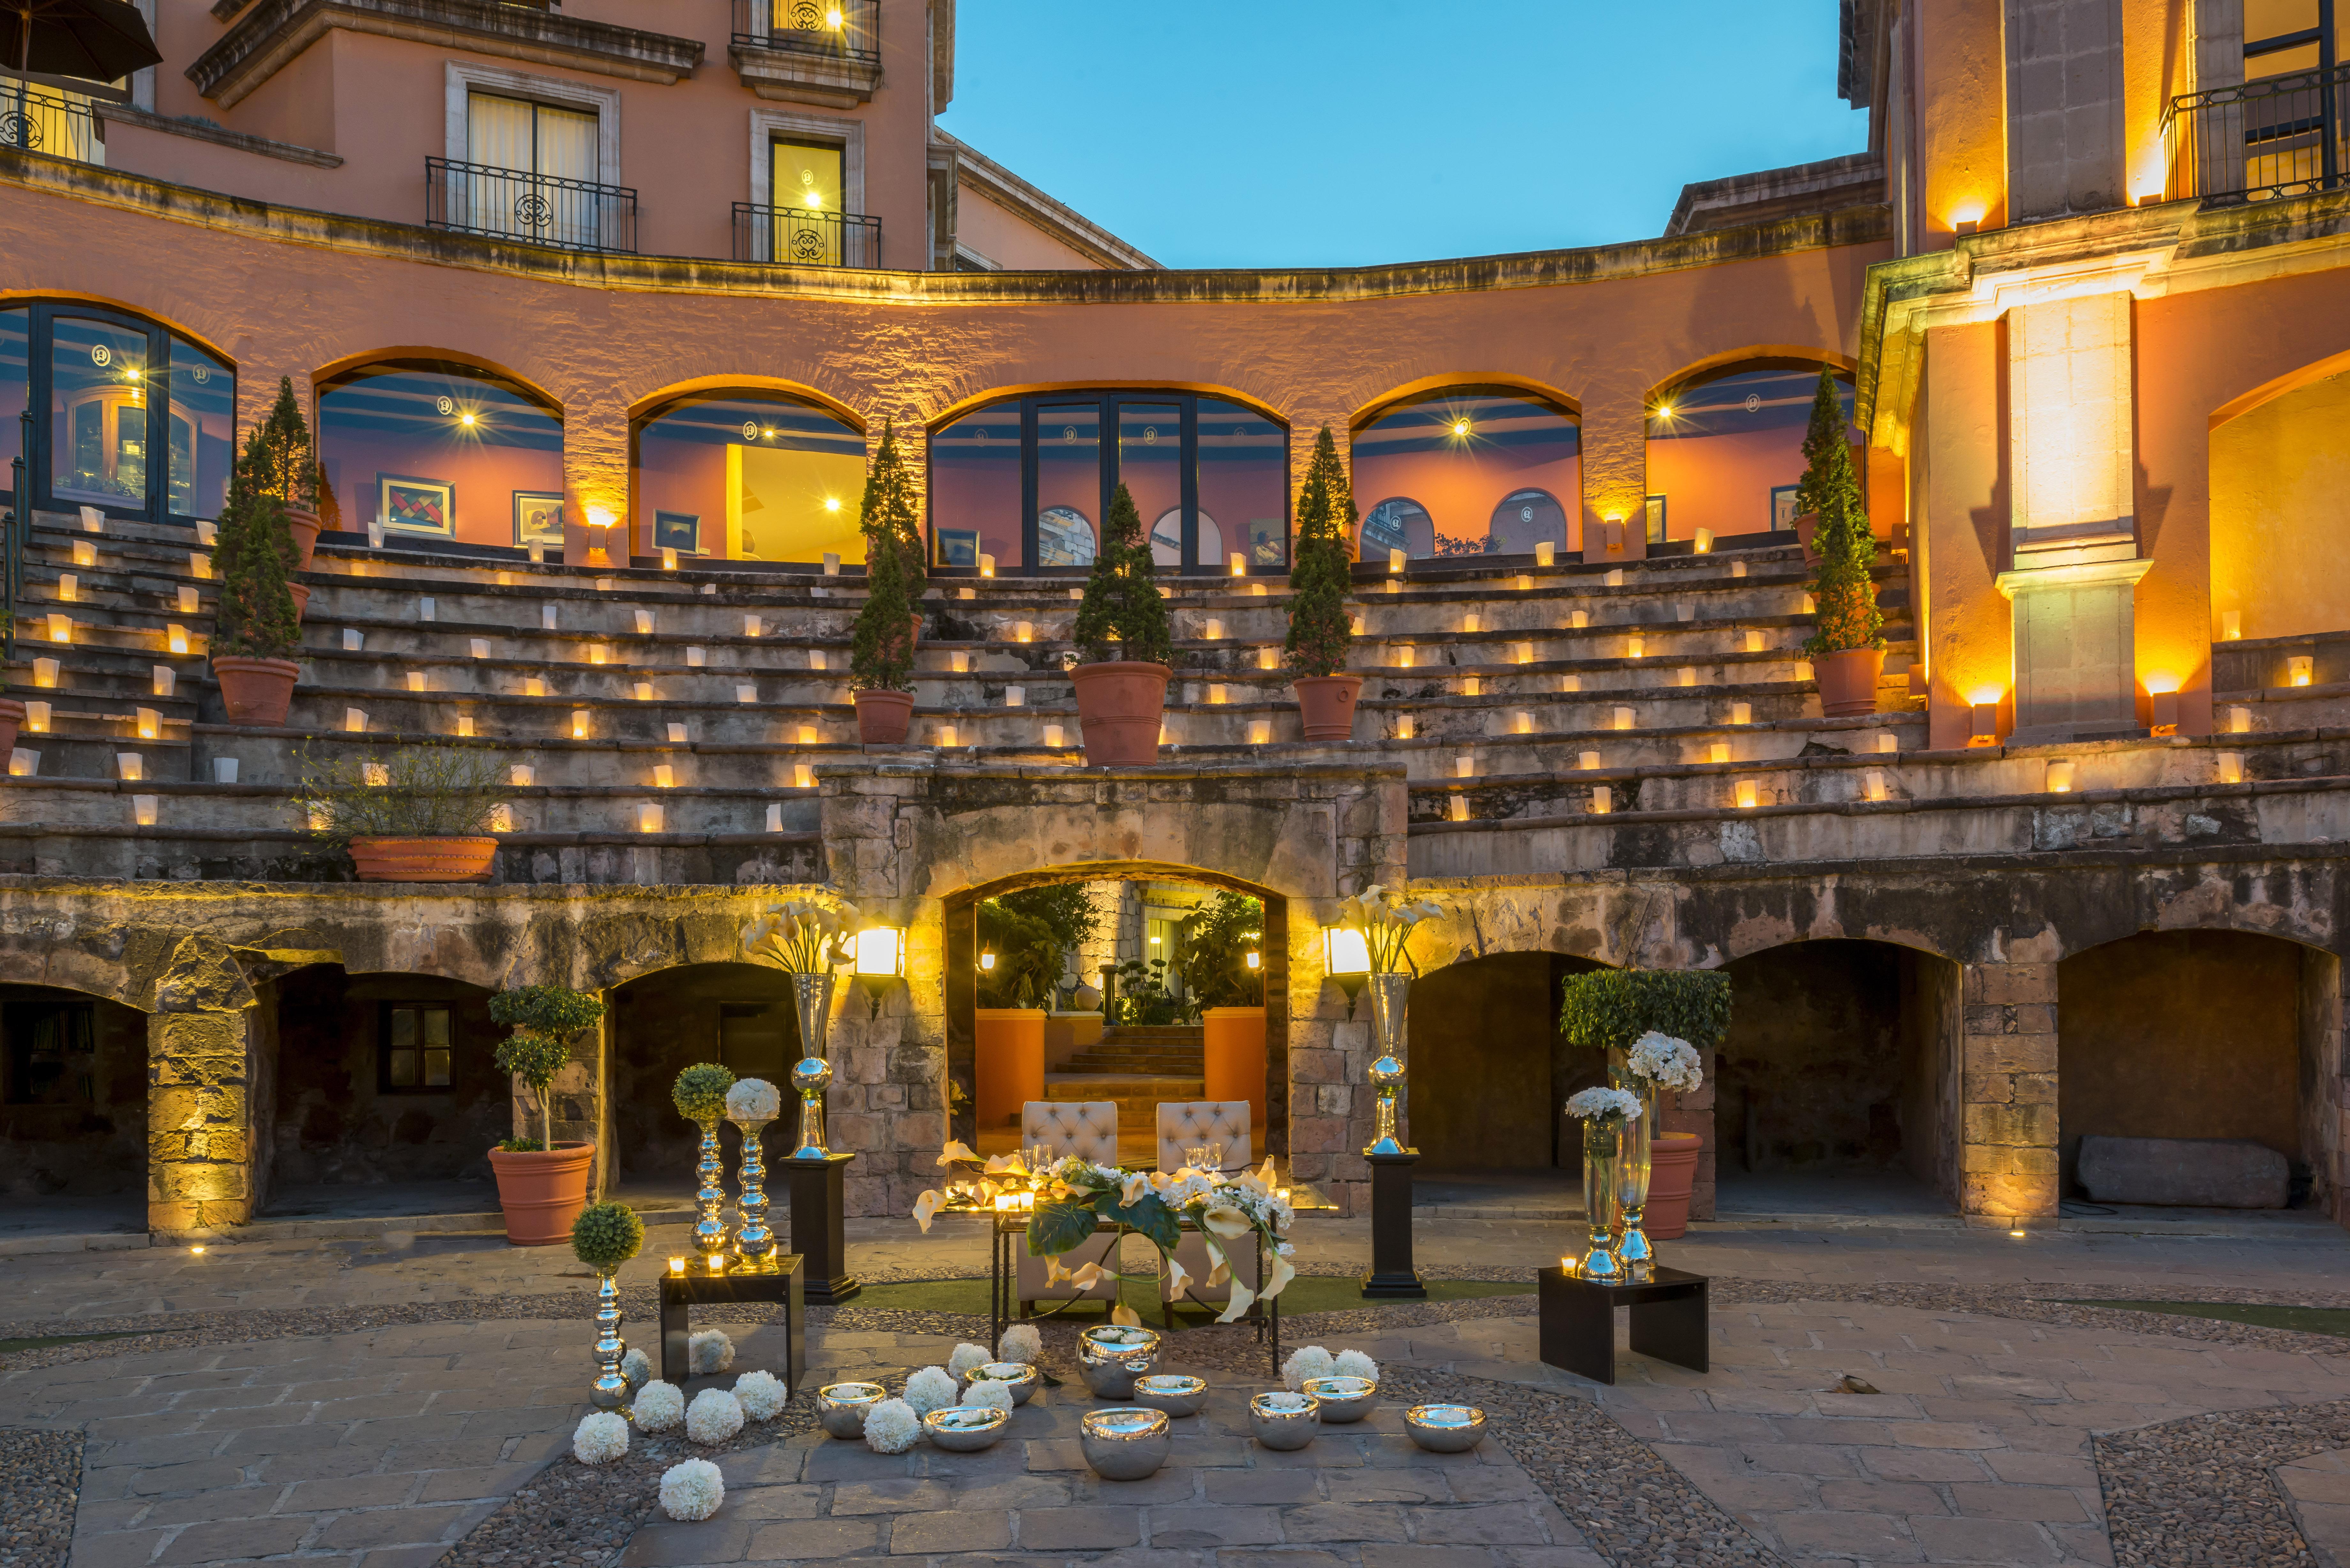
(1846, 648)
(255, 627)
(288, 469)
(422, 814)
(1320, 628)
(882, 649)
(542, 1185)
(1121, 632)
(1613, 1010)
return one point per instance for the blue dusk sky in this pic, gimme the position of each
(1311, 132)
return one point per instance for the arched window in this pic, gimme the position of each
(1455, 465)
(750, 475)
(1725, 453)
(441, 452)
(1025, 482)
(139, 421)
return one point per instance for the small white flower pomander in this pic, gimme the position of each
(930, 1389)
(988, 1392)
(600, 1438)
(753, 1100)
(965, 1357)
(1355, 1364)
(637, 1367)
(709, 1351)
(713, 1417)
(659, 1405)
(891, 1426)
(1591, 1104)
(1666, 1062)
(1021, 1343)
(1307, 1361)
(693, 1490)
(760, 1395)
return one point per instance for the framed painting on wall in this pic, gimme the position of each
(1656, 519)
(537, 518)
(1783, 507)
(957, 547)
(678, 531)
(410, 506)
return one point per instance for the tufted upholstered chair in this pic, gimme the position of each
(1186, 1124)
(1088, 1130)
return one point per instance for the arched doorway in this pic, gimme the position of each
(73, 1111)
(737, 1014)
(1491, 1075)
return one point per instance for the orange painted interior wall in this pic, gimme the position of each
(485, 478)
(1959, 61)
(1723, 482)
(2279, 507)
(1460, 490)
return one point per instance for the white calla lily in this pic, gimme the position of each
(927, 1205)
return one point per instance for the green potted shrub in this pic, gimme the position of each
(542, 1184)
(889, 628)
(1321, 629)
(1122, 634)
(286, 468)
(422, 814)
(256, 628)
(1847, 645)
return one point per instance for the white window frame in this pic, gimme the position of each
(767, 124)
(604, 103)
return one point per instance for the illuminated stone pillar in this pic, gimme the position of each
(203, 1077)
(596, 478)
(2008, 1094)
(1615, 477)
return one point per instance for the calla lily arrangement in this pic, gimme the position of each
(1386, 918)
(802, 937)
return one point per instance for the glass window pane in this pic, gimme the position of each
(975, 489)
(402, 1074)
(1719, 448)
(436, 1026)
(202, 432)
(441, 451)
(97, 414)
(1432, 476)
(436, 1069)
(15, 386)
(1068, 483)
(403, 1027)
(1150, 466)
(1244, 487)
(750, 476)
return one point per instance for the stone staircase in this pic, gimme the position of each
(1140, 1066)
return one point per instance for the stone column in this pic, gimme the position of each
(2008, 1092)
(206, 1068)
(594, 473)
(1616, 476)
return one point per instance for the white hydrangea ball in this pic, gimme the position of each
(965, 1357)
(637, 1367)
(713, 1417)
(693, 1490)
(761, 1395)
(987, 1391)
(1307, 1361)
(930, 1389)
(659, 1405)
(891, 1426)
(600, 1438)
(1021, 1343)
(753, 1100)
(709, 1351)
(1355, 1364)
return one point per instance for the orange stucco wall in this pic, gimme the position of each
(1959, 65)
(1008, 241)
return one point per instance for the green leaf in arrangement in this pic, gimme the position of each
(1150, 1216)
(1055, 1228)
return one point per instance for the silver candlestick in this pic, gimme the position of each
(709, 1199)
(753, 1241)
(612, 1389)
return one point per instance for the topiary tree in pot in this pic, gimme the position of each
(889, 628)
(255, 627)
(1321, 629)
(1122, 634)
(542, 1185)
(286, 468)
(1847, 645)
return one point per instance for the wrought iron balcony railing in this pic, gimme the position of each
(56, 123)
(849, 28)
(799, 237)
(2280, 136)
(538, 209)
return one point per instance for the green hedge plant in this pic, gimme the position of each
(700, 1091)
(1608, 1009)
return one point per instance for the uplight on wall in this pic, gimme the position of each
(642, 691)
(1984, 729)
(816, 658)
(600, 529)
(2162, 704)
(880, 963)
(696, 657)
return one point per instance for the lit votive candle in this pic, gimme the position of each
(677, 1265)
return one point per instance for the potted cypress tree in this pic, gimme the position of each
(1846, 647)
(882, 649)
(1122, 633)
(288, 469)
(542, 1185)
(1320, 628)
(255, 626)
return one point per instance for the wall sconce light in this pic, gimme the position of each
(1347, 958)
(1985, 730)
(2300, 669)
(600, 521)
(2060, 778)
(881, 961)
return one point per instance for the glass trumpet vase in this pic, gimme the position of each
(811, 1073)
(754, 1243)
(1600, 1171)
(709, 1198)
(1633, 1249)
(1390, 996)
(612, 1389)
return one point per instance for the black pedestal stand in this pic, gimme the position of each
(816, 1231)
(1392, 1276)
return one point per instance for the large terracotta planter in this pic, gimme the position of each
(1121, 707)
(883, 717)
(12, 718)
(543, 1192)
(1325, 703)
(1672, 1171)
(301, 592)
(423, 859)
(1848, 681)
(256, 690)
(1232, 1043)
(1008, 1059)
(303, 526)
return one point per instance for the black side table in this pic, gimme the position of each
(819, 1234)
(1392, 1275)
(679, 1292)
(1578, 1321)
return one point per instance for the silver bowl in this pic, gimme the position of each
(1445, 1429)
(1343, 1398)
(841, 1408)
(1172, 1392)
(1124, 1444)
(965, 1428)
(1276, 1427)
(1111, 1365)
(1017, 1376)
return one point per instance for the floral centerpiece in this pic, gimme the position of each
(1654, 1063)
(1604, 1112)
(1386, 918)
(808, 941)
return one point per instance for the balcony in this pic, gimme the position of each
(2280, 136)
(38, 120)
(824, 52)
(536, 209)
(799, 237)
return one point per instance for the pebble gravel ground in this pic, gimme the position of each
(2201, 1490)
(40, 1481)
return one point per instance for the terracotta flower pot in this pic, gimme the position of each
(1120, 706)
(303, 526)
(1672, 1171)
(301, 592)
(1848, 681)
(256, 690)
(12, 718)
(883, 717)
(543, 1192)
(423, 859)
(1326, 704)
(1805, 526)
